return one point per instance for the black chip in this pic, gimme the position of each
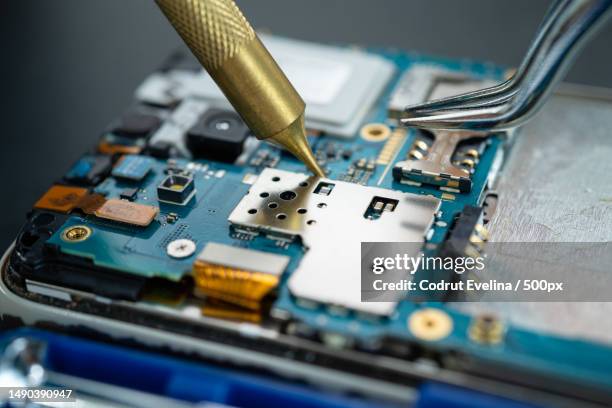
(89, 170)
(176, 189)
(458, 238)
(218, 135)
(129, 194)
(162, 150)
(136, 125)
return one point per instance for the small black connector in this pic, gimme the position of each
(176, 189)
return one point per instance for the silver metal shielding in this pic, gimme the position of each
(244, 259)
(332, 228)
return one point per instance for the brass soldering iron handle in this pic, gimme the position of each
(226, 45)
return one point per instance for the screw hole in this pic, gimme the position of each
(275, 178)
(321, 205)
(301, 211)
(281, 216)
(303, 184)
(287, 195)
(264, 195)
(252, 211)
(311, 222)
(273, 205)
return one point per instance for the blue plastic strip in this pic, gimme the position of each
(175, 378)
(436, 395)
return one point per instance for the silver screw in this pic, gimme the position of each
(181, 248)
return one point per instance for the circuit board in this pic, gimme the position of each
(185, 208)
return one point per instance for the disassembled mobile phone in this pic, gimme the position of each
(180, 230)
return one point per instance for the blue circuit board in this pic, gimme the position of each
(221, 186)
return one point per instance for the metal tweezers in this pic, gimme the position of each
(567, 26)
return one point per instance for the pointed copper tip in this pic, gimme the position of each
(293, 138)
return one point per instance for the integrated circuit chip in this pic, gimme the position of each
(219, 134)
(133, 167)
(89, 170)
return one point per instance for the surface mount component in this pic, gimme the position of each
(127, 212)
(330, 217)
(133, 167)
(129, 193)
(176, 189)
(339, 85)
(219, 134)
(467, 235)
(435, 159)
(89, 170)
(171, 136)
(135, 125)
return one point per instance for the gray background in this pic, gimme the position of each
(69, 66)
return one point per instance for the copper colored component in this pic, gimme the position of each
(107, 148)
(391, 148)
(61, 198)
(375, 132)
(486, 329)
(76, 233)
(430, 324)
(223, 310)
(127, 212)
(91, 202)
(238, 287)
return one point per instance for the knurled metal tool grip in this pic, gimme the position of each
(226, 45)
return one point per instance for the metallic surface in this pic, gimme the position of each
(332, 228)
(430, 324)
(425, 81)
(339, 85)
(226, 45)
(21, 364)
(245, 259)
(181, 248)
(555, 188)
(567, 27)
(438, 159)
